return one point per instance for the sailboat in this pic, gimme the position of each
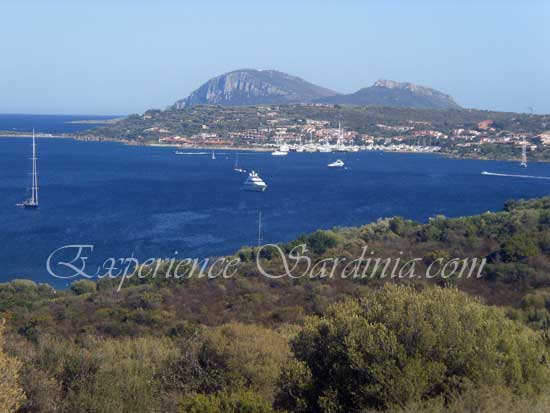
(254, 183)
(32, 202)
(523, 163)
(213, 155)
(340, 142)
(237, 168)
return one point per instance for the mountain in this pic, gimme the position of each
(253, 87)
(259, 87)
(397, 94)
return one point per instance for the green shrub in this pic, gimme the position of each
(399, 346)
(83, 287)
(321, 241)
(11, 393)
(239, 402)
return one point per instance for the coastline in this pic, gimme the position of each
(91, 138)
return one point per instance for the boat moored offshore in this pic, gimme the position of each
(254, 183)
(336, 164)
(282, 151)
(32, 202)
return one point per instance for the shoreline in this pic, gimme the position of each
(449, 155)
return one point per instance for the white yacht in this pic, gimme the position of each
(282, 151)
(336, 164)
(254, 183)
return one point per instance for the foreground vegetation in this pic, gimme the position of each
(253, 344)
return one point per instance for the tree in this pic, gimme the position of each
(398, 346)
(518, 247)
(83, 287)
(232, 357)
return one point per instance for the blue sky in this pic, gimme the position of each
(119, 57)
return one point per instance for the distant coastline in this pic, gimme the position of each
(12, 134)
(25, 134)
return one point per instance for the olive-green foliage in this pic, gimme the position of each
(231, 357)
(96, 375)
(398, 346)
(23, 292)
(83, 287)
(237, 402)
(482, 399)
(11, 393)
(518, 247)
(317, 242)
(253, 355)
(122, 376)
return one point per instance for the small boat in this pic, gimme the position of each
(282, 151)
(237, 168)
(254, 183)
(336, 164)
(32, 202)
(324, 148)
(485, 173)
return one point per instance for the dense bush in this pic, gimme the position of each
(11, 393)
(83, 287)
(238, 402)
(398, 346)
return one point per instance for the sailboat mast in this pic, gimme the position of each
(34, 188)
(260, 228)
(524, 154)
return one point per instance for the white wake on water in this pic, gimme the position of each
(515, 176)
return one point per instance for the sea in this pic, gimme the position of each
(147, 202)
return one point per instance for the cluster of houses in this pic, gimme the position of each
(415, 136)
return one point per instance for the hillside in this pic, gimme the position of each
(252, 87)
(396, 94)
(460, 133)
(267, 87)
(197, 345)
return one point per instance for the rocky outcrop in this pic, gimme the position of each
(397, 94)
(251, 87)
(264, 87)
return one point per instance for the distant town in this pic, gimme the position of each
(323, 128)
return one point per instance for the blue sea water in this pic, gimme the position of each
(149, 202)
(46, 123)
